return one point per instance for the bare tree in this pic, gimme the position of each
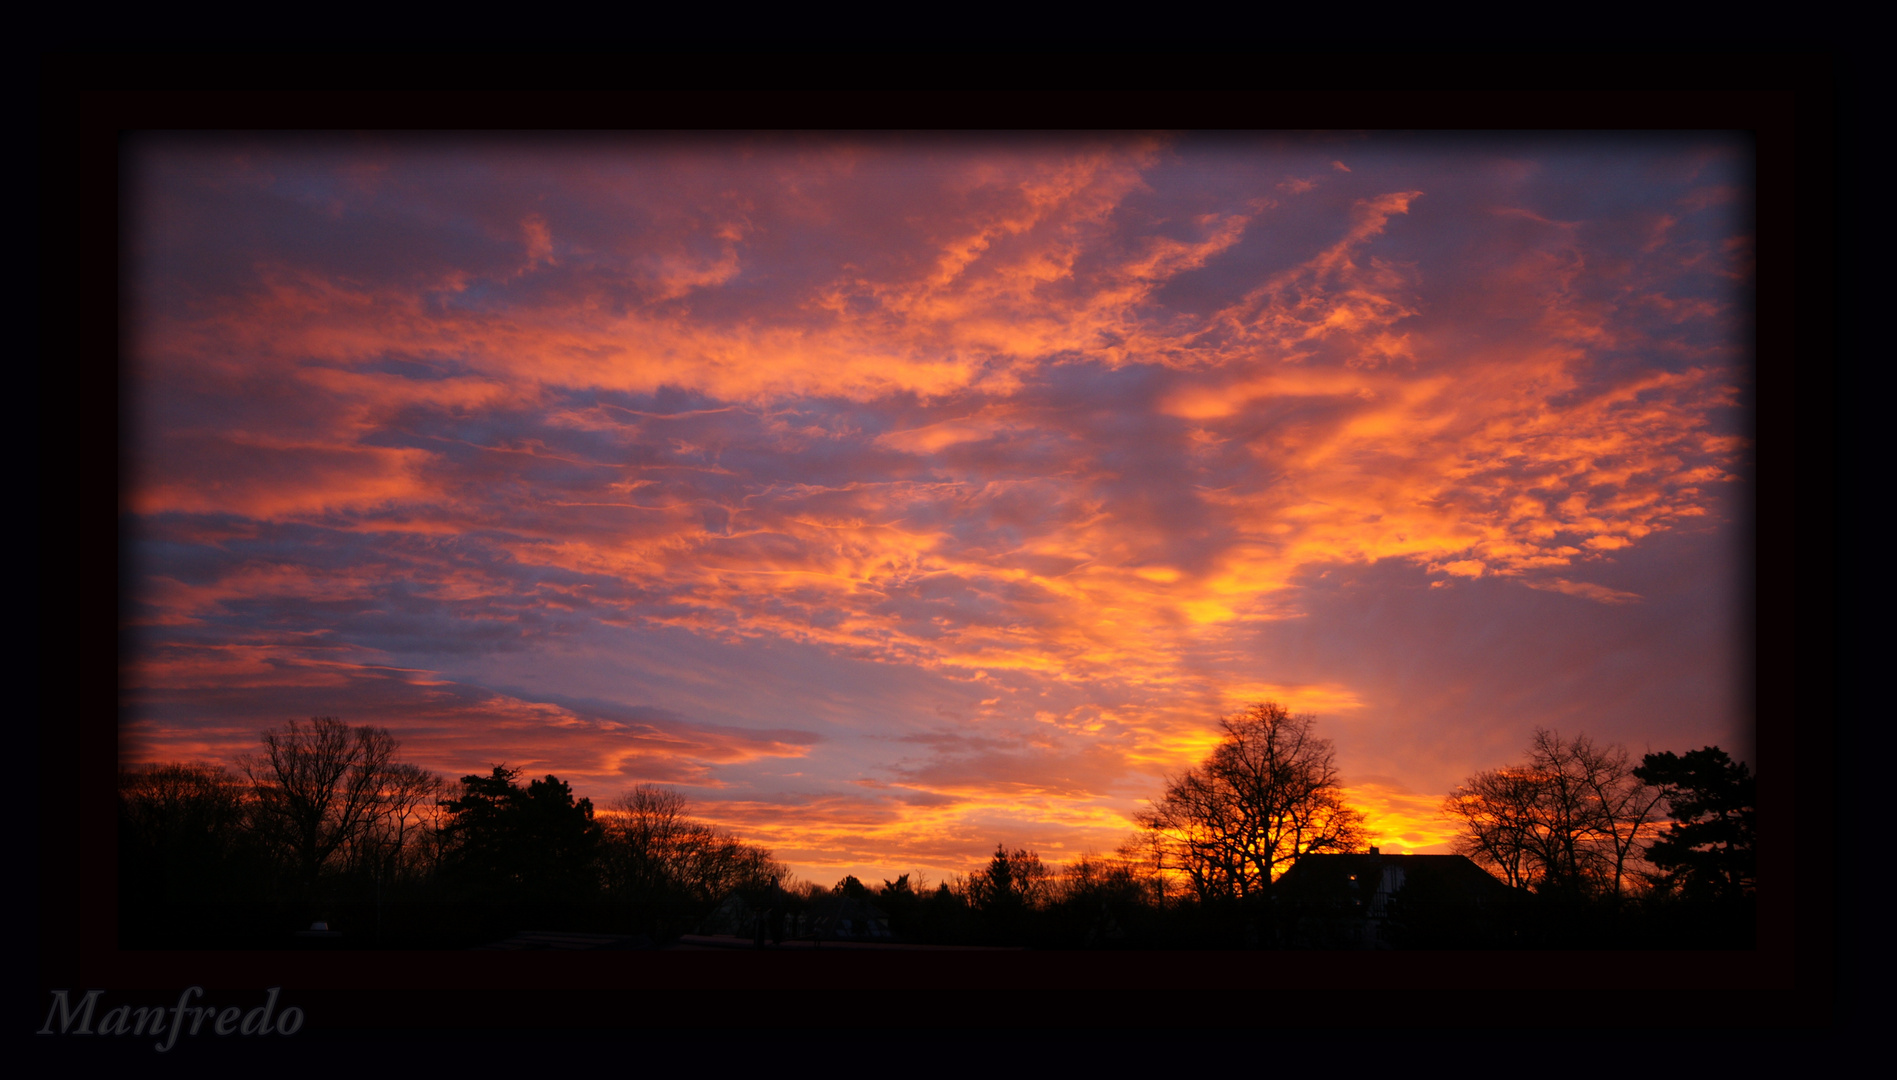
(318, 786)
(1624, 805)
(393, 840)
(645, 829)
(1267, 795)
(183, 829)
(655, 849)
(182, 801)
(1569, 819)
(1498, 818)
(1144, 853)
(1096, 878)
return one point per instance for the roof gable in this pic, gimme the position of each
(1365, 880)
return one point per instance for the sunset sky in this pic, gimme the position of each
(892, 497)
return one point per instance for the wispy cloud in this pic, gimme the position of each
(1585, 590)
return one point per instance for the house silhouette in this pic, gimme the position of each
(1362, 901)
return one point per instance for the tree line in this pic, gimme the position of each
(1580, 821)
(325, 824)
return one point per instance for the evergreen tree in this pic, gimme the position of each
(1707, 853)
(506, 842)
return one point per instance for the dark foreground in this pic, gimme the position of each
(1533, 923)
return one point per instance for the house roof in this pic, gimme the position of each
(1356, 880)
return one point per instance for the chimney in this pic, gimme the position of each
(1375, 851)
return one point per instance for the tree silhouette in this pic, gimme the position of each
(1012, 881)
(1007, 892)
(405, 811)
(655, 851)
(1567, 821)
(1707, 852)
(646, 837)
(1499, 817)
(317, 786)
(1092, 878)
(506, 842)
(1099, 895)
(898, 891)
(1267, 795)
(185, 833)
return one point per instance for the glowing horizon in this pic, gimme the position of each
(896, 498)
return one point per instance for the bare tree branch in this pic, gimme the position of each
(1268, 794)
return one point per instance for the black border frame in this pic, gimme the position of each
(1792, 105)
